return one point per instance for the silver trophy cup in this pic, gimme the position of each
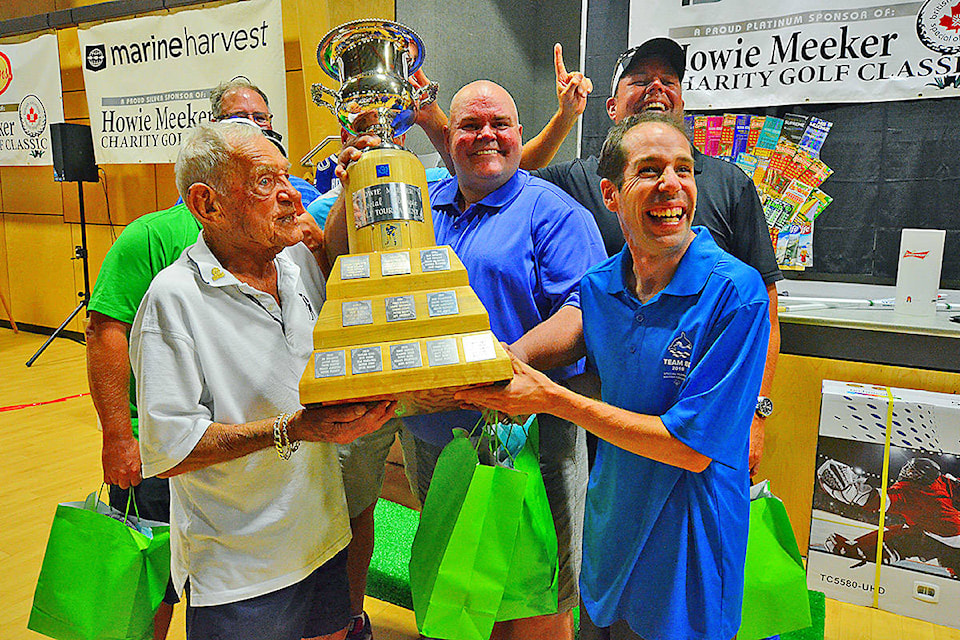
(373, 59)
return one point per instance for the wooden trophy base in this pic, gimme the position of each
(403, 325)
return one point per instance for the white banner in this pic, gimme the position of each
(744, 53)
(30, 99)
(148, 79)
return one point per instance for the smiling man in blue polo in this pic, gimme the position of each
(676, 330)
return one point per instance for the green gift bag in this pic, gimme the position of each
(775, 596)
(463, 548)
(531, 588)
(100, 579)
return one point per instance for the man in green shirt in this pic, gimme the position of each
(146, 246)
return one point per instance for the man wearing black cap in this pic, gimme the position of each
(648, 78)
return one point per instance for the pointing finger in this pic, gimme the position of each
(558, 62)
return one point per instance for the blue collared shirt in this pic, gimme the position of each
(525, 246)
(693, 355)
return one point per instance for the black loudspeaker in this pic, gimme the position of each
(73, 159)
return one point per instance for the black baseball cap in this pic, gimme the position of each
(665, 48)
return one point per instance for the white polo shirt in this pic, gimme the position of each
(206, 348)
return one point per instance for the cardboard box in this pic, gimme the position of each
(920, 572)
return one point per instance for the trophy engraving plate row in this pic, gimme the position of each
(406, 355)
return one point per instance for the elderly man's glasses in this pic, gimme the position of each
(261, 118)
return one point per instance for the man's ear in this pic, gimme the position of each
(204, 203)
(611, 195)
(612, 107)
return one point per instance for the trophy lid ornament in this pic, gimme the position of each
(373, 60)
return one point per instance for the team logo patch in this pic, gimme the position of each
(95, 57)
(6, 72)
(677, 361)
(938, 25)
(33, 117)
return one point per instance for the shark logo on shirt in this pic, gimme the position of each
(677, 362)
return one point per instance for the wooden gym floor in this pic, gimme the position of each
(50, 453)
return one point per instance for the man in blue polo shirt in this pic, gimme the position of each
(676, 329)
(525, 245)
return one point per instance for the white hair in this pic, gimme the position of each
(209, 153)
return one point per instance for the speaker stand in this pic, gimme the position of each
(85, 295)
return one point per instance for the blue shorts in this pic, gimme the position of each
(316, 606)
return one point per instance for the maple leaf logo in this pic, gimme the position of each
(952, 21)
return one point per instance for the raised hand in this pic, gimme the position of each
(572, 88)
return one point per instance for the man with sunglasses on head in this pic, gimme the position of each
(241, 99)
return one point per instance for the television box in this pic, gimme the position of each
(920, 570)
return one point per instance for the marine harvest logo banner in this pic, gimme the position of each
(30, 99)
(743, 53)
(148, 79)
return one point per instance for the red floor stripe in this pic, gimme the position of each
(14, 407)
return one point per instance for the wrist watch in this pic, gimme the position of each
(764, 406)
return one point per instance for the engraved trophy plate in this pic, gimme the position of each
(400, 308)
(443, 351)
(436, 259)
(478, 347)
(357, 312)
(330, 364)
(366, 360)
(442, 303)
(405, 356)
(353, 267)
(395, 264)
(387, 201)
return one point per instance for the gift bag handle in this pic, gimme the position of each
(130, 500)
(489, 418)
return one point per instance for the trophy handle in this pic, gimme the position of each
(424, 96)
(320, 93)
